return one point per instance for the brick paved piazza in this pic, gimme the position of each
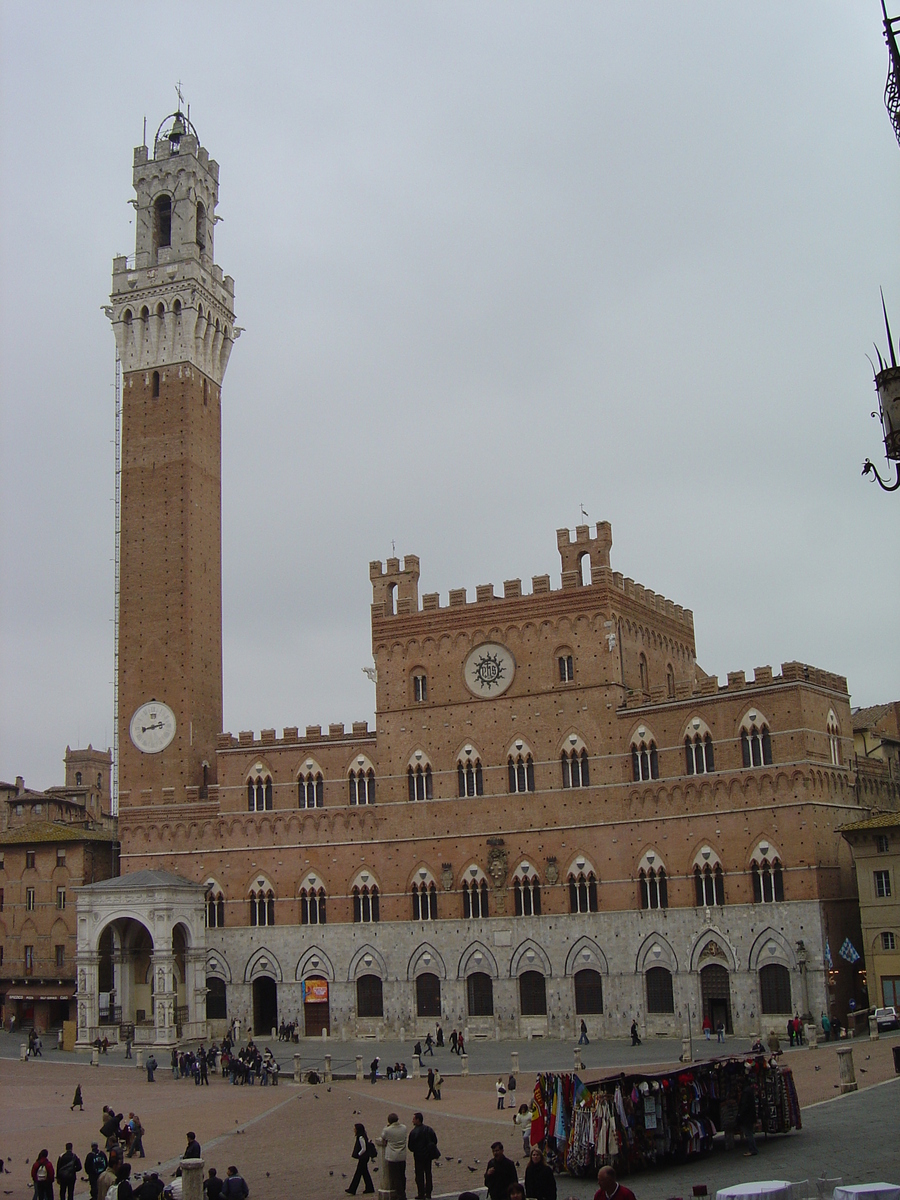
(295, 1141)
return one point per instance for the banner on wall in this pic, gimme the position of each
(315, 991)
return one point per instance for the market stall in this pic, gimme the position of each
(637, 1120)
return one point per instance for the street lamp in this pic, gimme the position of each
(887, 388)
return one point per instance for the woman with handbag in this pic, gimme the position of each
(362, 1152)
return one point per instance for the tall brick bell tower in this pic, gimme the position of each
(172, 313)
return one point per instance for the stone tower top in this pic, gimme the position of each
(170, 303)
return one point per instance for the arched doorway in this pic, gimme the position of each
(316, 1006)
(265, 1005)
(715, 995)
(428, 995)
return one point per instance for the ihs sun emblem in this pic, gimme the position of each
(489, 671)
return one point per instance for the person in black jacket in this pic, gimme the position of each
(747, 1118)
(500, 1173)
(192, 1149)
(422, 1143)
(67, 1167)
(361, 1154)
(124, 1189)
(95, 1165)
(540, 1182)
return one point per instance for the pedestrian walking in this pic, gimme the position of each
(440, 1037)
(720, 1031)
(137, 1136)
(707, 1026)
(422, 1144)
(522, 1122)
(826, 1027)
(453, 1041)
(373, 1068)
(438, 1080)
(362, 1152)
(460, 1044)
(511, 1090)
(501, 1092)
(429, 1043)
(790, 1030)
(431, 1092)
(67, 1167)
(583, 1039)
(128, 1047)
(77, 1099)
(635, 1040)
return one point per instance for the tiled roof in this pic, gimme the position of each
(883, 821)
(144, 879)
(36, 832)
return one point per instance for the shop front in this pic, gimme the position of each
(38, 1006)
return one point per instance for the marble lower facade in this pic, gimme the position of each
(531, 976)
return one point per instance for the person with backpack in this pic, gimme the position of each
(95, 1165)
(42, 1176)
(362, 1152)
(67, 1167)
(235, 1185)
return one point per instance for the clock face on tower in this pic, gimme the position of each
(489, 670)
(152, 727)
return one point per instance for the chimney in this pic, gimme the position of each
(20, 785)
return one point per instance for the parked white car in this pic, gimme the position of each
(887, 1018)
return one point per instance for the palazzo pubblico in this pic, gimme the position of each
(559, 815)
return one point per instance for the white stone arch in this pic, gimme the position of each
(642, 733)
(652, 860)
(419, 758)
(361, 763)
(260, 882)
(263, 962)
(418, 965)
(529, 956)
(718, 950)
(771, 946)
(312, 881)
(647, 956)
(572, 743)
(309, 766)
(259, 767)
(314, 961)
(469, 752)
(696, 727)
(417, 877)
(467, 876)
(584, 954)
(217, 965)
(477, 958)
(366, 961)
(365, 878)
(581, 865)
(706, 855)
(517, 746)
(765, 850)
(753, 716)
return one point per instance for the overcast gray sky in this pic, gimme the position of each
(494, 261)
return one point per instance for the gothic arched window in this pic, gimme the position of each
(162, 214)
(419, 783)
(312, 906)
(259, 794)
(644, 761)
(475, 898)
(365, 905)
(362, 786)
(424, 902)
(575, 770)
(699, 757)
(709, 884)
(527, 895)
(521, 773)
(583, 892)
(311, 790)
(470, 777)
(654, 888)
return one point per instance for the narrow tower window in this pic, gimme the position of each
(201, 225)
(155, 385)
(163, 211)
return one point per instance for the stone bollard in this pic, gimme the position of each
(417, 1067)
(192, 1178)
(514, 1062)
(385, 1192)
(464, 1059)
(811, 1033)
(328, 1068)
(577, 1065)
(359, 1071)
(95, 1057)
(848, 1075)
(23, 1052)
(139, 1057)
(298, 1070)
(874, 1035)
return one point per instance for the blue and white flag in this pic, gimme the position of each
(848, 951)
(829, 961)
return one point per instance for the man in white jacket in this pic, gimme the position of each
(394, 1137)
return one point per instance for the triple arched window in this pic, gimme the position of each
(424, 901)
(419, 782)
(583, 892)
(527, 894)
(475, 898)
(365, 905)
(521, 772)
(262, 907)
(709, 885)
(215, 910)
(575, 768)
(312, 904)
(698, 754)
(362, 786)
(768, 881)
(311, 790)
(644, 761)
(654, 888)
(470, 777)
(259, 794)
(756, 746)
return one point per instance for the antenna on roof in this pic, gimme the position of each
(144, 142)
(888, 329)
